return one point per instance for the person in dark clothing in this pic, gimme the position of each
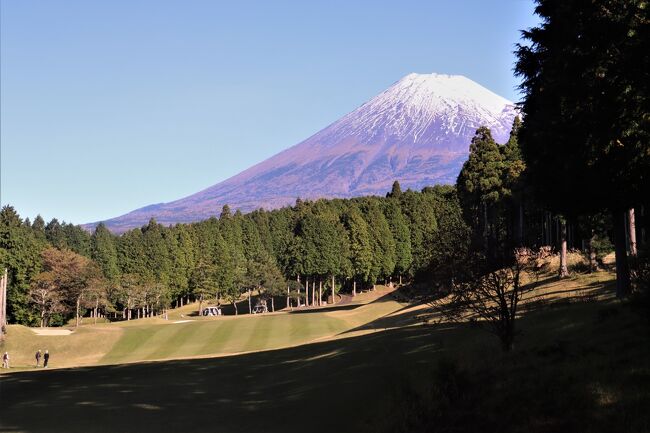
(38, 358)
(46, 358)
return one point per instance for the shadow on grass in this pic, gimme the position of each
(239, 393)
(286, 390)
(324, 309)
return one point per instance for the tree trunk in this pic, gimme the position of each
(520, 226)
(631, 227)
(78, 305)
(593, 264)
(96, 309)
(272, 304)
(354, 287)
(298, 279)
(201, 305)
(250, 308)
(234, 304)
(333, 290)
(508, 340)
(485, 230)
(320, 292)
(42, 318)
(495, 251)
(288, 294)
(623, 285)
(306, 303)
(564, 271)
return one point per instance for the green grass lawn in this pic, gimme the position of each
(157, 339)
(597, 349)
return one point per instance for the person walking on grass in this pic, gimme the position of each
(5, 360)
(38, 358)
(46, 358)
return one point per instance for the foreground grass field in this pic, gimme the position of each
(588, 346)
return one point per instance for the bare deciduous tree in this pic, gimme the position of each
(491, 300)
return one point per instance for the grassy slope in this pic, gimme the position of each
(156, 339)
(599, 347)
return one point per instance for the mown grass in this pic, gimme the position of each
(156, 339)
(579, 364)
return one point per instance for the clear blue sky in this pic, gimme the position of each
(108, 106)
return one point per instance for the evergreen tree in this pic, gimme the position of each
(360, 245)
(131, 256)
(77, 239)
(383, 243)
(20, 255)
(421, 217)
(55, 235)
(182, 248)
(38, 226)
(480, 189)
(104, 252)
(203, 281)
(157, 259)
(585, 79)
(396, 191)
(402, 235)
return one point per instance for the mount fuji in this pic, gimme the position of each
(417, 131)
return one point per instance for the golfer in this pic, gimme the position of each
(46, 358)
(38, 358)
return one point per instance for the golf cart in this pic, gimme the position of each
(260, 307)
(212, 311)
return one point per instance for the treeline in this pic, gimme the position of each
(504, 208)
(302, 254)
(576, 170)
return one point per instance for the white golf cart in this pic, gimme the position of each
(212, 311)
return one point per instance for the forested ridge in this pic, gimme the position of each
(352, 243)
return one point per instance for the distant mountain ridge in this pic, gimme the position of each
(417, 131)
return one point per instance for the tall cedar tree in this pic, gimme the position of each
(104, 252)
(480, 188)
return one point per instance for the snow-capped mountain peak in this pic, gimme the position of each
(411, 106)
(417, 131)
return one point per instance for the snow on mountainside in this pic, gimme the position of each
(417, 131)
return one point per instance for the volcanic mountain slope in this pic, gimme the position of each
(417, 131)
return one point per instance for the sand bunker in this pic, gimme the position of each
(45, 331)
